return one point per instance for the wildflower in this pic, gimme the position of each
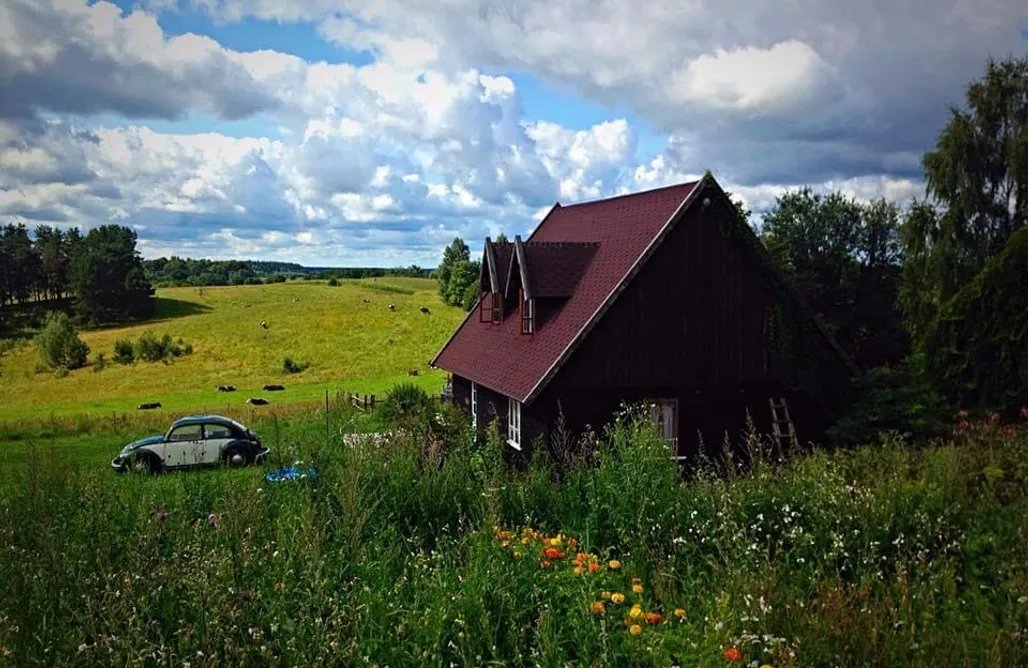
(767, 665)
(635, 629)
(279, 585)
(556, 541)
(605, 595)
(517, 554)
(597, 608)
(614, 564)
(594, 567)
(653, 618)
(679, 612)
(552, 553)
(732, 654)
(212, 519)
(635, 612)
(161, 514)
(578, 570)
(617, 598)
(637, 588)
(544, 564)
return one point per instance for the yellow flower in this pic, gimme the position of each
(635, 629)
(556, 541)
(605, 595)
(638, 589)
(614, 564)
(525, 541)
(578, 570)
(766, 665)
(617, 597)
(679, 612)
(517, 554)
(635, 612)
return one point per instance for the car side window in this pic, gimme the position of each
(188, 432)
(213, 431)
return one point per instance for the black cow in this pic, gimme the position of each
(148, 407)
(226, 388)
(392, 307)
(257, 401)
(274, 388)
(424, 309)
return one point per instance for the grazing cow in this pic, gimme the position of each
(264, 324)
(412, 372)
(226, 388)
(424, 309)
(367, 301)
(148, 407)
(257, 401)
(392, 307)
(274, 388)
(296, 299)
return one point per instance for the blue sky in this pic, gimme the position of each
(287, 130)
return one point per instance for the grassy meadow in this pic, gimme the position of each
(434, 550)
(350, 345)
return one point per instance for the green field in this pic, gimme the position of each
(351, 346)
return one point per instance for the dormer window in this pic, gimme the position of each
(489, 308)
(527, 313)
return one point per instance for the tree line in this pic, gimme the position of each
(178, 272)
(100, 273)
(929, 298)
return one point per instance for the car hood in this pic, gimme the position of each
(149, 440)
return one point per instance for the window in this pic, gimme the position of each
(474, 405)
(514, 423)
(489, 309)
(664, 412)
(189, 432)
(527, 314)
(213, 431)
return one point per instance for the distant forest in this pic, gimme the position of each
(176, 271)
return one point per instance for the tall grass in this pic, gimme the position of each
(431, 549)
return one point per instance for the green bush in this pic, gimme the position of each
(59, 343)
(151, 349)
(406, 402)
(333, 282)
(124, 353)
(289, 366)
(99, 363)
(61, 372)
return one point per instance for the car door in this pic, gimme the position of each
(215, 438)
(183, 446)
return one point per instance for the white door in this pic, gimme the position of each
(184, 446)
(215, 438)
(665, 414)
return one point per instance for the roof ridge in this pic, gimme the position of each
(602, 200)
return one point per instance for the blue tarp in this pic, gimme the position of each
(293, 472)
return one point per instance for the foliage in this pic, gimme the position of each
(107, 275)
(176, 271)
(289, 366)
(333, 282)
(99, 363)
(149, 348)
(885, 555)
(456, 273)
(406, 402)
(976, 175)
(275, 278)
(978, 339)
(386, 287)
(59, 344)
(897, 400)
(61, 372)
(124, 351)
(843, 257)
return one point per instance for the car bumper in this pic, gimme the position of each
(119, 464)
(261, 455)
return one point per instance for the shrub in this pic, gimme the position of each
(123, 352)
(148, 348)
(333, 282)
(61, 372)
(99, 363)
(59, 344)
(253, 280)
(289, 366)
(406, 402)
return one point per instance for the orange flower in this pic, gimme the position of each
(635, 629)
(544, 564)
(733, 654)
(679, 612)
(614, 564)
(594, 567)
(597, 608)
(638, 589)
(552, 553)
(652, 618)
(279, 585)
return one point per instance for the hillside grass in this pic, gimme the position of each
(434, 549)
(350, 345)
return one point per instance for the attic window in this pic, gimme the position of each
(489, 309)
(527, 314)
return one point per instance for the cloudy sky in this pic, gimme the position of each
(371, 132)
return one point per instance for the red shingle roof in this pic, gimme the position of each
(498, 356)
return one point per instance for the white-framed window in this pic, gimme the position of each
(514, 423)
(527, 314)
(474, 405)
(664, 412)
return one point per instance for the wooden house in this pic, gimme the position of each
(665, 296)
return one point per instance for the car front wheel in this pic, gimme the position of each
(236, 456)
(146, 462)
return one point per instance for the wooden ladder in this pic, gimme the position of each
(785, 420)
